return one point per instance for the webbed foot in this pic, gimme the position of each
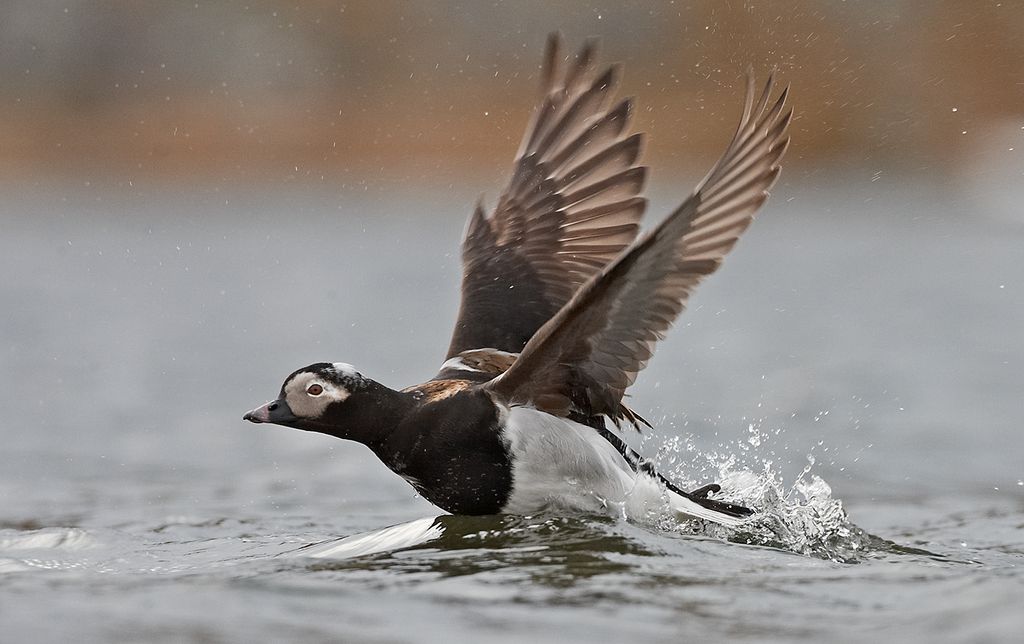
(702, 492)
(700, 495)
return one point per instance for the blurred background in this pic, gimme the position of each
(386, 92)
(202, 196)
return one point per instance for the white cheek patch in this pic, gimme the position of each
(304, 405)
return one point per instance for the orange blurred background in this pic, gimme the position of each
(438, 93)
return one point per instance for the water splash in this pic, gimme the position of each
(803, 517)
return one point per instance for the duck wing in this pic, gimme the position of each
(571, 207)
(584, 358)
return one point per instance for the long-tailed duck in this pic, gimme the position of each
(562, 304)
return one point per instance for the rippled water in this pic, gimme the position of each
(854, 372)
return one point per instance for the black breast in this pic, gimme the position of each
(451, 451)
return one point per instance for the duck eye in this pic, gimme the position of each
(315, 390)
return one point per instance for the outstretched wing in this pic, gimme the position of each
(585, 357)
(571, 207)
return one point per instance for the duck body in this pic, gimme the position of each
(563, 302)
(467, 453)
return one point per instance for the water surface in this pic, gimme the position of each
(854, 371)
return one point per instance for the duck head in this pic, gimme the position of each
(326, 397)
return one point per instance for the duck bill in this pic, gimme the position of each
(276, 411)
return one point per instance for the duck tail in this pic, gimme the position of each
(697, 505)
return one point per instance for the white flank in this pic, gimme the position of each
(563, 465)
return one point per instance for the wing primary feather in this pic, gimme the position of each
(627, 150)
(588, 102)
(582, 65)
(632, 179)
(610, 125)
(751, 157)
(587, 215)
(549, 70)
